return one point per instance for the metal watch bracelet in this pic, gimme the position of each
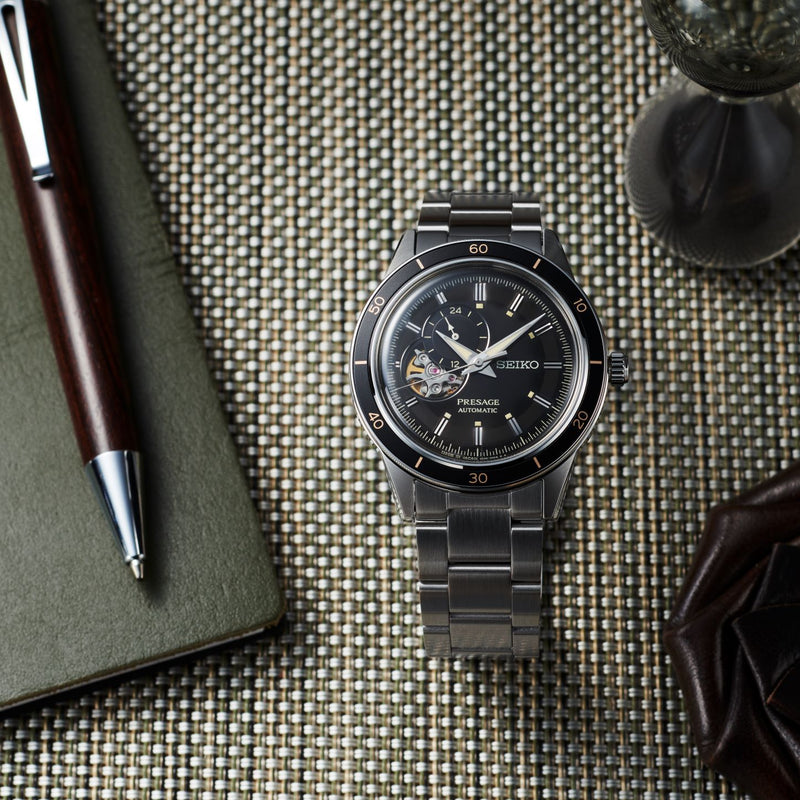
(480, 555)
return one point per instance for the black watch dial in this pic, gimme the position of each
(478, 361)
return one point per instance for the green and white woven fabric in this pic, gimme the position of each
(289, 142)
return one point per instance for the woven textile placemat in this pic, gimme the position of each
(289, 142)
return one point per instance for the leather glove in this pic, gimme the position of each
(734, 639)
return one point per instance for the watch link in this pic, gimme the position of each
(478, 368)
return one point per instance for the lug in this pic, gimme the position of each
(555, 487)
(402, 253)
(554, 251)
(402, 489)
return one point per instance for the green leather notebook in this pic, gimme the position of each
(70, 611)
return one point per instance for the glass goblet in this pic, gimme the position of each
(713, 160)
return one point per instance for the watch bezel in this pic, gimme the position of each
(474, 476)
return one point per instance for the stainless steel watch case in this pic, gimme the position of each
(551, 465)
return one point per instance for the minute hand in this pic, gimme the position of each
(500, 347)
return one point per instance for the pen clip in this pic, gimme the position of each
(23, 86)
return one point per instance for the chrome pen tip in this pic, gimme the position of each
(114, 475)
(137, 568)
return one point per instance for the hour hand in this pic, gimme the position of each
(465, 353)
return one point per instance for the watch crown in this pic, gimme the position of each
(617, 368)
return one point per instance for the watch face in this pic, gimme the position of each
(478, 361)
(478, 365)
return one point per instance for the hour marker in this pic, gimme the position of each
(538, 261)
(359, 362)
(552, 365)
(532, 334)
(480, 294)
(421, 265)
(541, 329)
(412, 327)
(478, 433)
(514, 306)
(514, 425)
(419, 461)
(441, 298)
(536, 461)
(412, 401)
(540, 400)
(442, 424)
(595, 362)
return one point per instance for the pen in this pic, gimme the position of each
(57, 216)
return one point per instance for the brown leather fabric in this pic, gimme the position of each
(734, 639)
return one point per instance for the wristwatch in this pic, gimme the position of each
(478, 368)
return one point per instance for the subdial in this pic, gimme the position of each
(460, 324)
(428, 379)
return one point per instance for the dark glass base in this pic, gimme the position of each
(717, 182)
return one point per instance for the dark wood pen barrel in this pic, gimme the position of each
(59, 224)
